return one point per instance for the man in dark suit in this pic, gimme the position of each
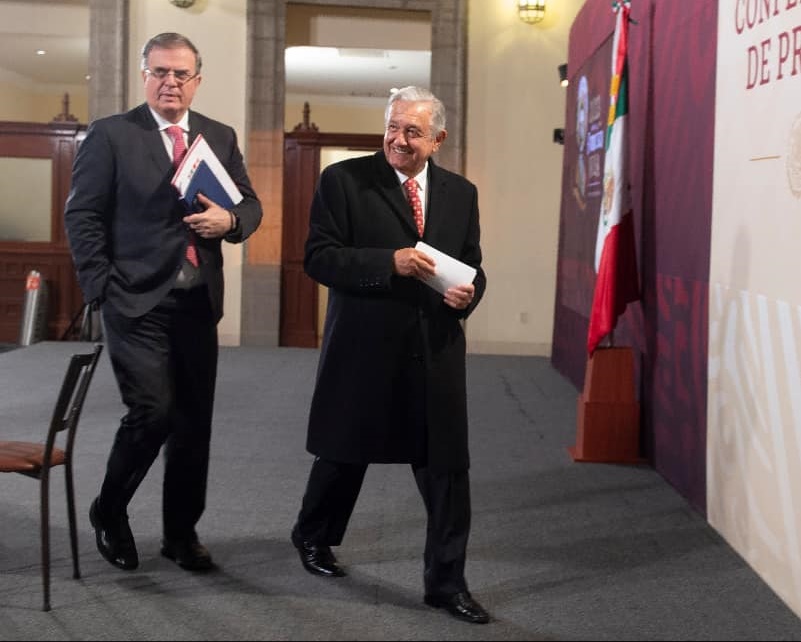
(156, 272)
(391, 379)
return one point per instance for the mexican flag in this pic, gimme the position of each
(615, 259)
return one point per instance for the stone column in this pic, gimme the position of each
(108, 57)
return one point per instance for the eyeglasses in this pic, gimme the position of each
(181, 76)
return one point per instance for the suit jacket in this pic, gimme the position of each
(124, 219)
(384, 332)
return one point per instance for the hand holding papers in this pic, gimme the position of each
(450, 272)
(201, 171)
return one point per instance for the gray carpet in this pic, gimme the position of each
(559, 550)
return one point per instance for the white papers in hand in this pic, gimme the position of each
(450, 272)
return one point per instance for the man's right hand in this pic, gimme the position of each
(411, 262)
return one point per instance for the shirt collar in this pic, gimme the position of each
(163, 123)
(421, 178)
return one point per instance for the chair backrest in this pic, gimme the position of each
(70, 400)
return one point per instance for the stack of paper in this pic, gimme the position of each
(201, 171)
(450, 272)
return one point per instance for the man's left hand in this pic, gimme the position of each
(460, 297)
(212, 223)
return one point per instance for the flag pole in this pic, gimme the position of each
(608, 418)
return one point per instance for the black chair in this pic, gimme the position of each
(35, 459)
(90, 329)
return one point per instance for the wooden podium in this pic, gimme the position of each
(608, 421)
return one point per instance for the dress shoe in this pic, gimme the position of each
(189, 554)
(317, 559)
(114, 539)
(461, 606)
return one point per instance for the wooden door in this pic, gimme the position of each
(299, 294)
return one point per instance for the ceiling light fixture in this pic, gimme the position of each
(531, 11)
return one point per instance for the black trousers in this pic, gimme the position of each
(165, 363)
(331, 495)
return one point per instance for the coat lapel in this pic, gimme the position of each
(391, 190)
(436, 203)
(153, 140)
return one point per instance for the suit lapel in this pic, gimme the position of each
(194, 129)
(391, 190)
(153, 140)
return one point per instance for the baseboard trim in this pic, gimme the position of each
(509, 348)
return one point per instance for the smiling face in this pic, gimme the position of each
(408, 138)
(168, 96)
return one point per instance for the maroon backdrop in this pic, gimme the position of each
(672, 61)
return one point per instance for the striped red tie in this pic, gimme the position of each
(178, 153)
(414, 200)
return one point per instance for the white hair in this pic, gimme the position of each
(418, 94)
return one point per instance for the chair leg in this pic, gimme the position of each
(76, 570)
(45, 527)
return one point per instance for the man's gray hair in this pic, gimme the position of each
(170, 40)
(418, 94)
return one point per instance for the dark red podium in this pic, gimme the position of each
(608, 420)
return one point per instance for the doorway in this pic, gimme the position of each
(344, 62)
(261, 285)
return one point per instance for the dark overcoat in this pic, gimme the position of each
(390, 344)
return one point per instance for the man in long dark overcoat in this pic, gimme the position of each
(391, 378)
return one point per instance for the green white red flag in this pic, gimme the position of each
(615, 253)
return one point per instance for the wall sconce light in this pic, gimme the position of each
(563, 75)
(182, 4)
(531, 11)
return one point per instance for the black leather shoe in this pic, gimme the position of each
(189, 554)
(114, 540)
(317, 559)
(461, 606)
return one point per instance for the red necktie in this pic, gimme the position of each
(411, 187)
(178, 153)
